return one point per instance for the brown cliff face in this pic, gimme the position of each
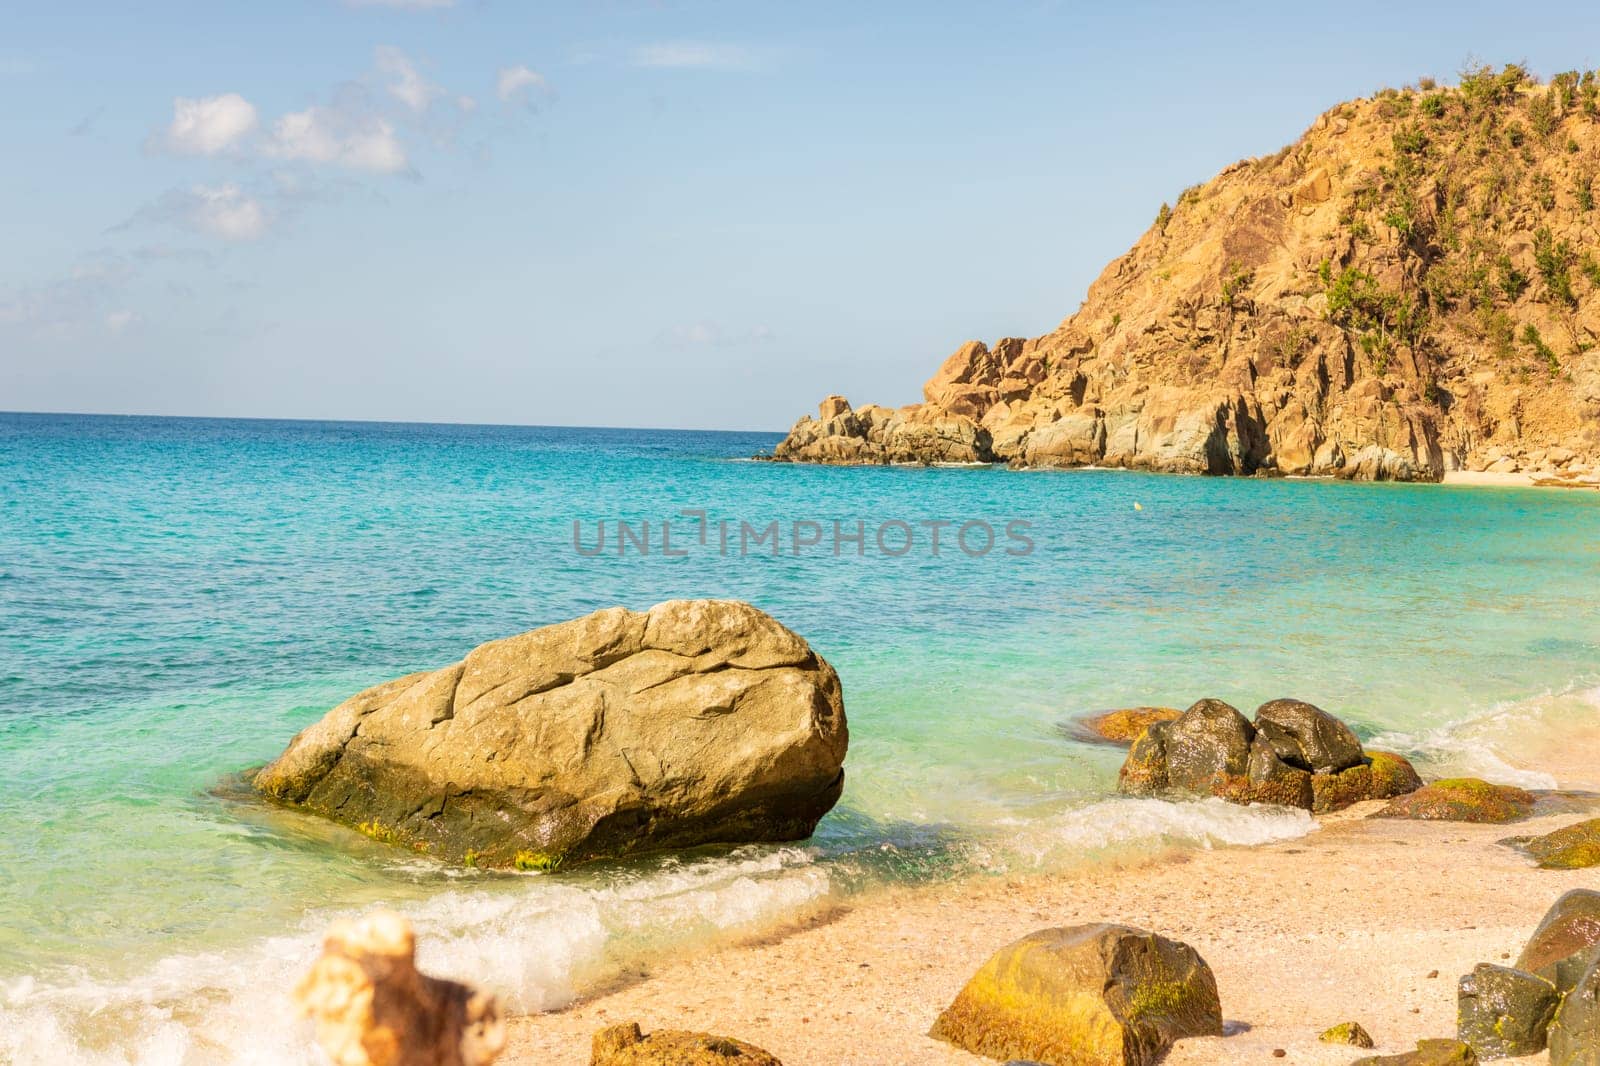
(1413, 287)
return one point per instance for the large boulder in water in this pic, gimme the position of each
(1308, 737)
(1088, 995)
(696, 722)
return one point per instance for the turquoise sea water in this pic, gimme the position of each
(178, 597)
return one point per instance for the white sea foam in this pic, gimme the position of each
(535, 945)
(1126, 824)
(1499, 745)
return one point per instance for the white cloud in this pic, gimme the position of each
(67, 303)
(520, 84)
(123, 320)
(224, 211)
(338, 136)
(407, 84)
(209, 125)
(695, 55)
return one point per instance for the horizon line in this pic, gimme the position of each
(375, 422)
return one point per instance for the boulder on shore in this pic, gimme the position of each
(696, 722)
(1087, 995)
(1293, 755)
(1462, 799)
(1573, 847)
(627, 1045)
(373, 1008)
(1575, 1032)
(1504, 1013)
(1566, 940)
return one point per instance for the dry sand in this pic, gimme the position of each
(1370, 920)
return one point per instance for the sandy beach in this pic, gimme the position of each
(1366, 919)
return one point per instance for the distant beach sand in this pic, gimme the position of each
(1345, 924)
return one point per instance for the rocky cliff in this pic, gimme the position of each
(1412, 287)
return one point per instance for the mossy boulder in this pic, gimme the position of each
(1208, 742)
(1569, 934)
(627, 1045)
(1575, 847)
(1308, 737)
(1294, 755)
(1392, 775)
(696, 722)
(1349, 1033)
(1462, 799)
(1087, 995)
(1504, 1013)
(1144, 771)
(1124, 725)
(1427, 1053)
(1575, 1032)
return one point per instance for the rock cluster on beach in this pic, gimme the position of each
(696, 722)
(1294, 754)
(373, 1008)
(1088, 995)
(1550, 997)
(1408, 289)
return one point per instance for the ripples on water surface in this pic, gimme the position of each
(177, 598)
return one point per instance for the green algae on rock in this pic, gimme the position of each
(1427, 1053)
(1575, 1032)
(627, 1045)
(1504, 1013)
(1462, 799)
(1392, 775)
(1350, 1033)
(1574, 847)
(697, 722)
(1087, 995)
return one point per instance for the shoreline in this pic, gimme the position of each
(1345, 924)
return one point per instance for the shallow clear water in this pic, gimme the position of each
(178, 597)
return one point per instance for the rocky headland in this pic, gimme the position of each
(1412, 288)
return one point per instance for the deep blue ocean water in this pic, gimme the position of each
(178, 597)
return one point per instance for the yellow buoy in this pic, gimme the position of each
(1137, 506)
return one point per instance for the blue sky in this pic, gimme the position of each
(616, 213)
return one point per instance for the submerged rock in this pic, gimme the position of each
(1504, 1013)
(1125, 725)
(1349, 1033)
(1088, 995)
(1294, 755)
(626, 1045)
(1575, 1032)
(373, 1008)
(1428, 1053)
(1462, 799)
(1566, 940)
(1572, 848)
(697, 722)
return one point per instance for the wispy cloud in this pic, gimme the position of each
(520, 84)
(207, 125)
(69, 303)
(406, 83)
(341, 136)
(226, 211)
(696, 55)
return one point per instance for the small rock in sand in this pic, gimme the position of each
(626, 1045)
(1347, 1033)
